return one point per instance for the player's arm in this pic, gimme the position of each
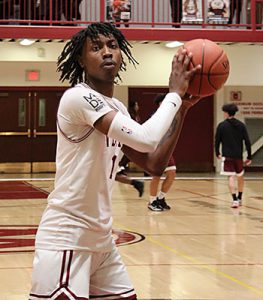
(155, 162)
(217, 142)
(146, 138)
(247, 143)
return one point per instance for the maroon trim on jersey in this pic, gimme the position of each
(78, 140)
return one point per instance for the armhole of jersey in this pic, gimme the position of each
(77, 140)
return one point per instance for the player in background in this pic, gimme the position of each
(74, 243)
(157, 201)
(231, 134)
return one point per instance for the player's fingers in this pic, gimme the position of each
(187, 60)
(181, 56)
(194, 70)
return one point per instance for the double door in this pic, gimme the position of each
(28, 129)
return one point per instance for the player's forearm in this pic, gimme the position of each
(155, 162)
(146, 137)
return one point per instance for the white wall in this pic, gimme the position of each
(246, 65)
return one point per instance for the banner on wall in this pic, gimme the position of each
(218, 11)
(247, 108)
(118, 10)
(192, 11)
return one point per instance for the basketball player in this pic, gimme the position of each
(157, 201)
(75, 254)
(232, 133)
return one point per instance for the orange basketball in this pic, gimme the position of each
(215, 67)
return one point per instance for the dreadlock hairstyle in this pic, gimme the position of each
(68, 64)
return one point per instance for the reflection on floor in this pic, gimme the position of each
(200, 249)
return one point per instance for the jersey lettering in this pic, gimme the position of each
(95, 102)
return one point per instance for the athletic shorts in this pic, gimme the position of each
(79, 275)
(232, 166)
(171, 165)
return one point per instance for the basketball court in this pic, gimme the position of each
(200, 249)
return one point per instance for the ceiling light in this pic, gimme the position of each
(173, 44)
(26, 42)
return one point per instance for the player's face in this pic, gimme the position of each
(101, 59)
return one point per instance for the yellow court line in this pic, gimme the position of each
(202, 266)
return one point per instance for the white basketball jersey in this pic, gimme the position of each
(79, 215)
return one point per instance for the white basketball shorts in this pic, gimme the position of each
(79, 275)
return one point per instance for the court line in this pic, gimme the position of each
(132, 177)
(201, 265)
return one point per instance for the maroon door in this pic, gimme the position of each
(194, 150)
(28, 125)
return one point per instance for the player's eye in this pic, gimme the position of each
(95, 47)
(113, 45)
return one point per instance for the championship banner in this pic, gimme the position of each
(218, 11)
(192, 11)
(118, 11)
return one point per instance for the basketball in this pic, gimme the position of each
(215, 67)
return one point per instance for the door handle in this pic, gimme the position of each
(29, 115)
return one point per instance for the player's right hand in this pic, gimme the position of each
(181, 73)
(248, 162)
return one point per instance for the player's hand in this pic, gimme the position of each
(180, 74)
(248, 162)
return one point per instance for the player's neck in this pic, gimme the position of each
(105, 88)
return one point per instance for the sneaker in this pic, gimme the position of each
(122, 171)
(163, 204)
(240, 202)
(139, 186)
(235, 204)
(155, 206)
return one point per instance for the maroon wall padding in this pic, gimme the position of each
(194, 151)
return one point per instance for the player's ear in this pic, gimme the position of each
(80, 61)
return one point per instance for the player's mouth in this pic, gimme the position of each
(108, 64)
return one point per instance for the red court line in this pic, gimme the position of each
(20, 190)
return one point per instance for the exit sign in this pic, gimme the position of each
(32, 75)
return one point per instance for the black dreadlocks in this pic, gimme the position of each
(68, 63)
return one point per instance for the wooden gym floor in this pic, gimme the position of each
(201, 249)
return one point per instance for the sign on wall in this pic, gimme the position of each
(218, 11)
(118, 11)
(192, 11)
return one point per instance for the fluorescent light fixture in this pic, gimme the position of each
(26, 42)
(173, 44)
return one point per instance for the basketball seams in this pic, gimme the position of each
(210, 76)
(214, 67)
(202, 67)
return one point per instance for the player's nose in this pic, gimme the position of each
(106, 51)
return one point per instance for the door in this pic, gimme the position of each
(28, 129)
(194, 150)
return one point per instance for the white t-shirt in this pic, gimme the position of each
(79, 214)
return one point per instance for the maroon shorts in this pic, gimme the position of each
(232, 166)
(170, 165)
